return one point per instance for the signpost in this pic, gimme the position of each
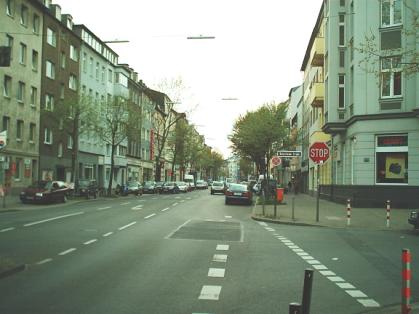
(318, 153)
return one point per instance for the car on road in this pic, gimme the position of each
(159, 186)
(218, 187)
(170, 187)
(46, 192)
(238, 193)
(134, 187)
(183, 187)
(87, 188)
(201, 185)
(149, 187)
(414, 219)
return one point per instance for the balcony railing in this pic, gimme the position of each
(316, 96)
(317, 52)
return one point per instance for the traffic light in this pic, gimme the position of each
(5, 56)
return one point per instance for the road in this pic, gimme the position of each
(190, 253)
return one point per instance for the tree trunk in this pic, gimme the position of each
(112, 169)
(74, 155)
(173, 165)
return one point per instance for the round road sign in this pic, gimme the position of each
(276, 161)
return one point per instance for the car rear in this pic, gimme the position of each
(238, 193)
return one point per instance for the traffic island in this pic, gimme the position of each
(8, 267)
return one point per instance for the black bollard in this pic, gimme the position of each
(308, 283)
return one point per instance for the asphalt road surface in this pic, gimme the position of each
(190, 253)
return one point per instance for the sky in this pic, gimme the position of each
(255, 58)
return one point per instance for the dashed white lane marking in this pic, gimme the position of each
(210, 293)
(319, 267)
(302, 254)
(221, 258)
(107, 234)
(345, 285)
(270, 229)
(138, 207)
(263, 224)
(368, 302)
(308, 257)
(297, 250)
(163, 210)
(67, 251)
(222, 247)
(177, 197)
(154, 198)
(51, 219)
(335, 279)
(294, 247)
(174, 204)
(228, 217)
(47, 260)
(7, 229)
(149, 216)
(126, 203)
(90, 242)
(127, 226)
(182, 201)
(356, 293)
(216, 272)
(188, 198)
(327, 273)
(103, 208)
(313, 262)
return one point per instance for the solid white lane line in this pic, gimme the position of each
(126, 203)
(356, 293)
(174, 204)
(103, 208)
(216, 272)
(7, 229)
(210, 293)
(90, 242)
(149, 216)
(368, 302)
(177, 229)
(107, 234)
(221, 258)
(222, 247)
(47, 260)
(67, 251)
(126, 226)
(345, 285)
(163, 210)
(51, 219)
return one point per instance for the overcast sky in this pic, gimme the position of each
(255, 57)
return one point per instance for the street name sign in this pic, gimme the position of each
(289, 153)
(319, 152)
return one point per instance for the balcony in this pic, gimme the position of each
(316, 95)
(317, 52)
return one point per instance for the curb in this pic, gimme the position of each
(283, 222)
(12, 271)
(23, 208)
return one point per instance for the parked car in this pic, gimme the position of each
(190, 180)
(88, 188)
(183, 187)
(159, 186)
(414, 219)
(170, 187)
(135, 187)
(218, 187)
(201, 185)
(45, 192)
(149, 187)
(238, 193)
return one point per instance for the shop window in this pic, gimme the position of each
(392, 159)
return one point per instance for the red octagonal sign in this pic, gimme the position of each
(319, 152)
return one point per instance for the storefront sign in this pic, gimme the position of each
(391, 141)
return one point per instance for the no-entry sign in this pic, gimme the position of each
(319, 152)
(276, 161)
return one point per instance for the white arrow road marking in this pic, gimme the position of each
(51, 219)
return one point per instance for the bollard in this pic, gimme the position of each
(406, 276)
(388, 214)
(293, 207)
(348, 212)
(294, 308)
(308, 283)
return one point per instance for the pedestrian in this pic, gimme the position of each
(289, 186)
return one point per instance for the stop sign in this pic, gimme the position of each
(319, 152)
(275, 161)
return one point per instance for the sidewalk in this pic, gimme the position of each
(331, 214)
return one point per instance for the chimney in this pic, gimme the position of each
(135, 77)
(47, 3)
(67, 19)
(56, 11)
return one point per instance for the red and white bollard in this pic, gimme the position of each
(348, 212)
(388, 214)
(406, 277)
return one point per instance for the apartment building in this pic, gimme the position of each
(371, 100)
(21, 29)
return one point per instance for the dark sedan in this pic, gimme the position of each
(238, 193)
(45, 192)
(149, 187)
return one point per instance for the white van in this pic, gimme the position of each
(190, 180)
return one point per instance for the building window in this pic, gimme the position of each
(7, 86)
(391, 12)
(18, 170)
(62, 91)
(34, 96)
(72, 82)
(73, 53)
(6, 123)
(50, 69)
(24, 15)
(110, 76)
(62, 59)
(19, 130)
(392, 159)
(391, 77)
(60, 150)
(34, 60)
(9, 43)
(49, 102)
(10, 7)
(70, 142)
(84, 62)
(341, 104)
(35, 24)
(47, 136)
(341, 30)
(103, 74)
(108, 174)
(21, 92)
(22, 54)
(91, 66)
(342, 58)
(342, 3)
(32, 132)
(51, 37)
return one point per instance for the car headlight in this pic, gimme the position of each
(39, 194)
(413, 215)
